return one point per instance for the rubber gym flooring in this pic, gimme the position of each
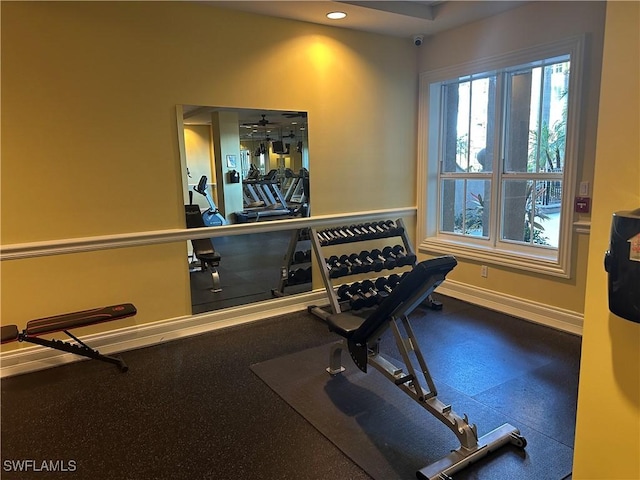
(194, 409)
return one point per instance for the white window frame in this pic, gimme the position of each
(502, 253)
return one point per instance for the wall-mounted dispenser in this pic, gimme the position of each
(622, 263)
(234, 176)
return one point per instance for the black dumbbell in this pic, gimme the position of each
(353, 268)
(405, 259)
(355, 300)
(362, 267)
(345, 233)
(400, 260)
(348, 231)
(381, 228)
(379, 294)
(303, 234)
(369, 232)
(387, 230)
(330, 234)
(360, 231)
(394, 228)
(364, 231)
(353, 228)
(365, 257)
(393, 280)
(300, 275)
(365, 291)
(339, 235)
(372, 230)
(333, 236)
(387, 261)
(301, 256)
(386, 284)
(336, 268)
(323, 238)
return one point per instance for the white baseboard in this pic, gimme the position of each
(31, 359)
(553, 317)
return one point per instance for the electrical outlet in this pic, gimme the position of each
(484, 271)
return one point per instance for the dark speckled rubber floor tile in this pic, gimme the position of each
(388, 434)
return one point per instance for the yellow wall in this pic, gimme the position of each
(88, 109)
(532, 24)
(90, 142)
(608, 424)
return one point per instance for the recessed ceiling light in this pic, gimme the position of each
(336, 15)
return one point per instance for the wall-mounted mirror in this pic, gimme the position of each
(256, 162)
(244, 166)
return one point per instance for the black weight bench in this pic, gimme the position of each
(65, 322)
(361, 338)
(203, 247)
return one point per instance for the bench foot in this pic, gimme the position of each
(463, 457)
(215, 276)
(335, 358)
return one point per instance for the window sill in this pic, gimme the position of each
(531, 263)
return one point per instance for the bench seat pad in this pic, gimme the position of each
(79, 319)
(344, 324)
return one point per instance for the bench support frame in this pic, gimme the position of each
(79, 348)
(418, 384)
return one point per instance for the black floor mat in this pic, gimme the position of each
(388, 434)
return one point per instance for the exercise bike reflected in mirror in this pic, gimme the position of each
(211, 217)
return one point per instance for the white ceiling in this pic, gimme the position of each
(394, 18)
(256, 124)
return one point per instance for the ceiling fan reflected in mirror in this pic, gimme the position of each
(263, 122)
(291, 134)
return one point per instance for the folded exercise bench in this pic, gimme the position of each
(65, 322)
(361, 338)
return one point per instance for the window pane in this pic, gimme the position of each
(455, 135)
(537, 112)
(518, 118)
(478, 208)
(514, 207)
(452, 205)
(481, 125)
(524, 215)
(469, 108)
(535, 139)
(466, 207)
(554, 117)
(548, 207)
(462, 126)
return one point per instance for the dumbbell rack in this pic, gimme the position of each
(344, 235)
(293, 259)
